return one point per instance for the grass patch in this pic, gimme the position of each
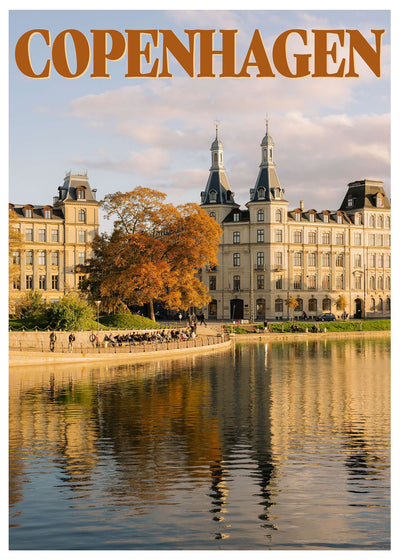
(334, 326)
(128, 321)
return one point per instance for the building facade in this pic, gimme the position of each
(56, 240)
(269, 252)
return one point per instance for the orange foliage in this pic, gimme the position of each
(154, 251)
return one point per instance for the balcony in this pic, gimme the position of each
(259, 267)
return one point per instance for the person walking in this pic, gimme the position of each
(53, 339)
(71, 340)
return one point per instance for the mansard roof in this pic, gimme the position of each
(363, 195)
(244, 216)
(37, 211)
(72, 184)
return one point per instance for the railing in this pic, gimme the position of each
(125, 347)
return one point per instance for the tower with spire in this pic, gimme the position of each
(217, 198)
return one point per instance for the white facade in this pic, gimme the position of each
(268, 252)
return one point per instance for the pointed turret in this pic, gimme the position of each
(217, 189)
(267, 186)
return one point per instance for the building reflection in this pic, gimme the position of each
(215, 423)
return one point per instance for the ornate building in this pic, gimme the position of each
(56, 240)
(269, 252)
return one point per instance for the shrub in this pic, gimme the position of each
(72, 313)
(128, 321)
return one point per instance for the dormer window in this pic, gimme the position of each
(80, 193)
(340, 219)
(212, 215)
(28, 212)
(213, 196)
(312, 217)
(261, 193)
(379, 200)
(47, 212)
(350, 202)
(298, 216)
(357, 219)
(277, 192)
(236, 217)
(326, 218)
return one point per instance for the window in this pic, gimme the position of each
(312, 237)
(236, 217)
(277, 191)
(82, 236)
(357, 219)
(47, 213)
(312, 217)
(278, 236)
(54, 282)
(380, 261)
(236, 259)
(54, 236)
(260, 260)
(42, 282)
(372, 221)
(357, 282)
(236, 236)
(42, 258)
(298, 259)
(380, 304)
(278, 215)
(260, 281)
(312, 305)
(29, 234)
(278, 282)
(312, 259)
(299, 304)
(326, 282)
(29, 257)
(379, 240)
(326, 304)
(29, 281)
(372, 282)
(380, 283)
(350, 202)
(212, 283)
(54, 258)
(82, 216)
(325, 238)
(212, 215)
(28, 212)
(379, 200)
(278, 258)
(387, 222)
(326, 218)
(80, 193)
(261, 193)
(379, 222)
(387, 282)
(387, 304)
(236, 283)
(81, 258)
(42, 235)
(357, 260)
(340, 219)
(298, 216)
(16, 257)
(372, 305)
(260, 236)
(279, 305)
(340, 282)
(357, 239)
(326, 259)
(297, 284)
(340, 259)
(312, 282)
(387, 261)
(339, 238)
(371, 240)
(260, 215)
(81, 280)
(17, 284)
(372, 261)
(213, 196)
(297, 237)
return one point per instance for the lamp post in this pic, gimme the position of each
(98, 307)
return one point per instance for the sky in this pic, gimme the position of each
(157, 132)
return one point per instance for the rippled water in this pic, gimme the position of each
(278, 446)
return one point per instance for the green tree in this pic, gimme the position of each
(71, 313)
(31, 306)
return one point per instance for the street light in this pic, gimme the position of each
(98, 307)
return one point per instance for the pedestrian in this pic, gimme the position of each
(266, 329)
(203, 320)
(71, 340)
(53, 339)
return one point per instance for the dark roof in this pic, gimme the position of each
(364, 194)
(37, 211)
(219, 183)
(244, 216)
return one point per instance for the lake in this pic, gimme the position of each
(278, 446)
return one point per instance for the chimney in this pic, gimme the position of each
(302, 205)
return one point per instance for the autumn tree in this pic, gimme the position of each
(341, 303)
(14, 245)
(292, 304)
(154, 251)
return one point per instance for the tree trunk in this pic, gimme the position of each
(151, 310)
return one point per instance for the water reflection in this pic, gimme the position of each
(278, 445)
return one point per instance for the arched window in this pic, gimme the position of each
(372, 282)
(379, 222)
(326, 304)
(380, 283)
(278, 215)
(387, 304)
(372, 304)
(261, 193)
(279, 305)
(387, 221)
(82, 215)
(277, 192)
(260, 215)
(380, 304)
(213, 196)
(212, 214)
(372, 221)
(387, 283)
(312, 305)
(299, 304)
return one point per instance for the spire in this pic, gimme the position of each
(267, 180)
(217, 190)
